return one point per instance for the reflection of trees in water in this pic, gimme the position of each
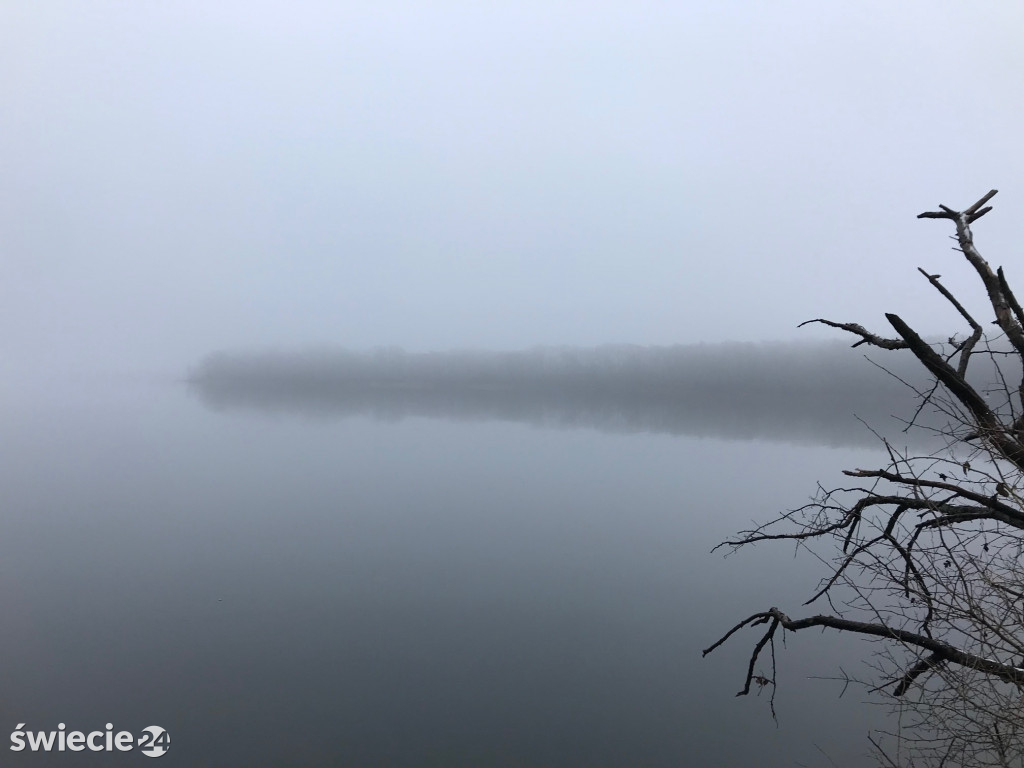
(806, 393)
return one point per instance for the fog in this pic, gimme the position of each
(820, 393)
(255, 493)
(181, 178)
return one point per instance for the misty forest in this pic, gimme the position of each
(512, 385)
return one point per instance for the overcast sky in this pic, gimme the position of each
(182, 177)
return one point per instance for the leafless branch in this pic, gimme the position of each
(866, 336)
(925, 555)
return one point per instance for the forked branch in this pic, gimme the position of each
(941, 652)
(930, 549)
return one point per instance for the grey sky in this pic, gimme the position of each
(182, 177)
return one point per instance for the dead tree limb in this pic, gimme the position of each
(941, 651)
(928, 551)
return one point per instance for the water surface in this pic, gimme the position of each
(283, 589)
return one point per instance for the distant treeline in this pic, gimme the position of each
(804, 392)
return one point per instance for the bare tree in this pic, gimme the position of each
(926, 553)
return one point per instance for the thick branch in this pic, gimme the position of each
(1010, 298)
(866, 336)
(924, 665)
(1018, 314)
(943, 650)
(940, 651)
(949, 213)
(1010, 515)
(989, 425)
(949, 514)
(1004, 314)
(757, 652)
(973, 210)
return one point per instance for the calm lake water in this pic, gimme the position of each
(279, 588)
